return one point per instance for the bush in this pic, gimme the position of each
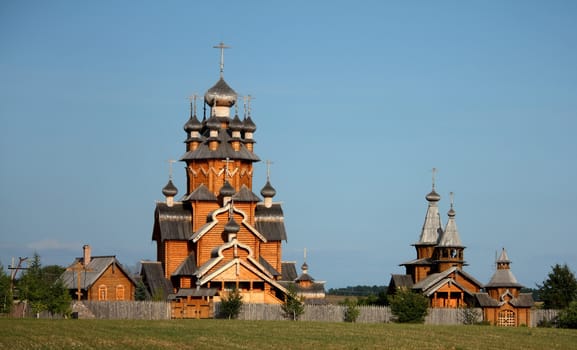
(408, 306)
(470, 315)
(231, 304)
(568, 316)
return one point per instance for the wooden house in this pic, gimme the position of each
(219, 235)
(98, 278)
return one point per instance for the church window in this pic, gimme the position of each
(120, 292)
(506, 318)
(102, 293)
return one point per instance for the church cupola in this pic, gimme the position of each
(169, 191)
(268, 191)
(220, 97)
(432, 227)
(226, 192)
(231, 229)
(193, 127)
(236, 128)
(248, 126)
(450, 249)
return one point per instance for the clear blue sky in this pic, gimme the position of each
(355, 102)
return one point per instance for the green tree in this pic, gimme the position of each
(230, 304)
(568, 317)
(559, 289)
(140, 293)
(43, 289)
(5, 292)
(408, 306)
(293, 306)
(352, 311)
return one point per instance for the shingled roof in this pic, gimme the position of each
(223, 151)
(172, 223)
(153, 277)
(90, 273)
(270, 222)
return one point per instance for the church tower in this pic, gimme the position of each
(220, 235)
(449, 250)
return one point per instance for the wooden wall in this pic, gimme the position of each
(111, 281)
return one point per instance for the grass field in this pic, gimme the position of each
(18, 334)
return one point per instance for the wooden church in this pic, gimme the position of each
(437, 272)
(219, 235)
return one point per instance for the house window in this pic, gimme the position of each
(102, 292)
(506, 318)
(119, 292)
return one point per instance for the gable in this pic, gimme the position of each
(174, 223)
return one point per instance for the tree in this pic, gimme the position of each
(43, 289)
(568, 317)
(293, 306)
(408, 306)
(352, 311)
(140, 293)
(230, 304)
(559, 289)
(5, 292)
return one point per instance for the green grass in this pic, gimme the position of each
(217, 334)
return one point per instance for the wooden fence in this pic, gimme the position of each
(336, 313)
(129, 310)
(542, 315)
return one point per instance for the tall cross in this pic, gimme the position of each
(268, 163)
(221, 46)
(226, 171)
(170, 161)
(249, 98)
(452, 195)
(434, 173)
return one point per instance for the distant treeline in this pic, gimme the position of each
(358, 291)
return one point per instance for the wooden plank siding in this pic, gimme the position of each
(112, 285)
(175, 252)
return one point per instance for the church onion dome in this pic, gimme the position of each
(231, 226)
(169, 190)
(249, 125)
(268, 191)
(433, 196)
(227, 190)
(304, 266)
(235, 124)
(212, 123)
(192, 125)
(451, 213)
(220, 95)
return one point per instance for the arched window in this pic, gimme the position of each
(120, 292)
(102, 293)
(506, 318)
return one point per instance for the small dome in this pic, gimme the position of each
(169, 190)
(249, 125)
(268, 191)
(212, 123)
(451, 213)
(304, 266)
(433, 196)
(231, 226)
(220, 95)
(192, 125)
(236, 124)
(227, 190)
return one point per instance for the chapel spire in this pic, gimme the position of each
(432, 227)
(450, 249)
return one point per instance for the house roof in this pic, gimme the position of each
(201, 193)
(484, 300)
(90, 273)
(522, 300)
(187, 267)
(270, 222)
(172, 223)
(196, 292)
(399, 281)
(245, 195)
(153, 277)
(503, 278)
(422, 261)
(432, 281)
(289, 271)
(268, 266)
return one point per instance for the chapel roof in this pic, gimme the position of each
(172, 223)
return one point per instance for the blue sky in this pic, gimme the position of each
(355, 103)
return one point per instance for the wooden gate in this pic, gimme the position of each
(192, 308)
